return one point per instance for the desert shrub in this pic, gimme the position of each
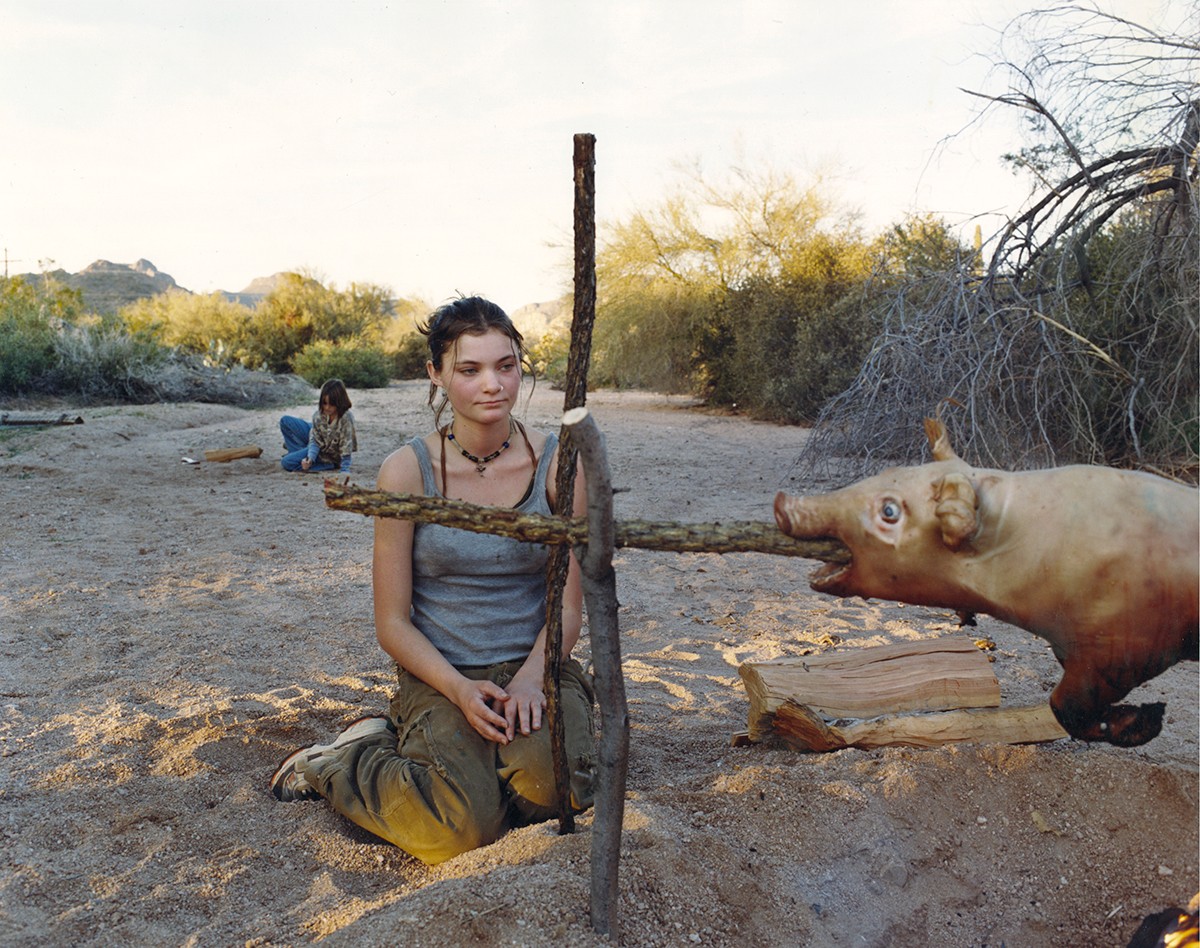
(50, 346)
(782, 345)
(790, 353)
(647, 336)
(26, 350)
(31, 314)
(300, 311)
(409, 357)
(402, 340)
(102, 360)
(357, 363)
(548, 358)
(666, 273)
(209, 326)
(1042, 371)
(1076, 340)
(272, 338)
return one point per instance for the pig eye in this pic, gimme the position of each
(890, 511)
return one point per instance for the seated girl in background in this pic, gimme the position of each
(327, 443)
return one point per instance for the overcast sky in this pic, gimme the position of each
(426, 146)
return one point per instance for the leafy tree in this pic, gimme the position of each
(665, 274)
(1078, 339)
(786, 344)
(301, 310)
(31, 315)
(208, 326)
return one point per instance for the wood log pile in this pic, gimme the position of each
(915, 694)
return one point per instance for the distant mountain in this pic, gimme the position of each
(534, 320)
(106, 286)
(256, 289)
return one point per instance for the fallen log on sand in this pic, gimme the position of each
(733, 537)
(232, 454)
(9, 419)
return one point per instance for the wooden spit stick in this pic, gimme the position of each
(667, 536)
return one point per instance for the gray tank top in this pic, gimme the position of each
(479, 599)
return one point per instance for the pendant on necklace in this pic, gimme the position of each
(480, 463)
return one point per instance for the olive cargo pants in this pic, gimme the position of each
(437, 788)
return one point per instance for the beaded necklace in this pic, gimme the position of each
(481, 463)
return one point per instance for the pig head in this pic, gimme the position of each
(1104, 564)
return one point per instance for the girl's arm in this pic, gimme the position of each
(313, 447)
(524, 710)
(392, 583)
(352, 446)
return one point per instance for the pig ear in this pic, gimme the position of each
(955, 503)
(939, 441)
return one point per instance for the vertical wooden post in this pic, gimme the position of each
(583, 318)
(600, 594)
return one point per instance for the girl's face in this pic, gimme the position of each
(329, 409)
(481, 375)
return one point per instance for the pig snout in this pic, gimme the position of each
(783, 512)
(782, 520)
(799, 517)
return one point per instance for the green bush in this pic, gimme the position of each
(548, 356)
(301, 311)
(208, 326)
(409, 357)
(781, 346)
(358, 364)
(30, 317)
(648, 337)
(26, 352)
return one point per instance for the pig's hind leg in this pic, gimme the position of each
(1085, 704)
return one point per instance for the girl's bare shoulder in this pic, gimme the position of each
(401, 471)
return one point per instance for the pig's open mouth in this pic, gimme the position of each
(829, 574)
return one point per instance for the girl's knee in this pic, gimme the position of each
(529, 780)
(451, 841)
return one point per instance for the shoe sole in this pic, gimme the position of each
(358, 728)
(361, 727)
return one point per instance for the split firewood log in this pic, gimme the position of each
(803, 729)
(232, 454)
(910, 693)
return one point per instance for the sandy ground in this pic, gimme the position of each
(164, 642)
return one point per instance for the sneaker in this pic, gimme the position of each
(289, 785)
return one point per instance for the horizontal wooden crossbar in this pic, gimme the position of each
(733, 537)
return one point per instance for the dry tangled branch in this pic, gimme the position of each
(1078, 342)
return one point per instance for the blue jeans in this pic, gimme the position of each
(295, 443)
